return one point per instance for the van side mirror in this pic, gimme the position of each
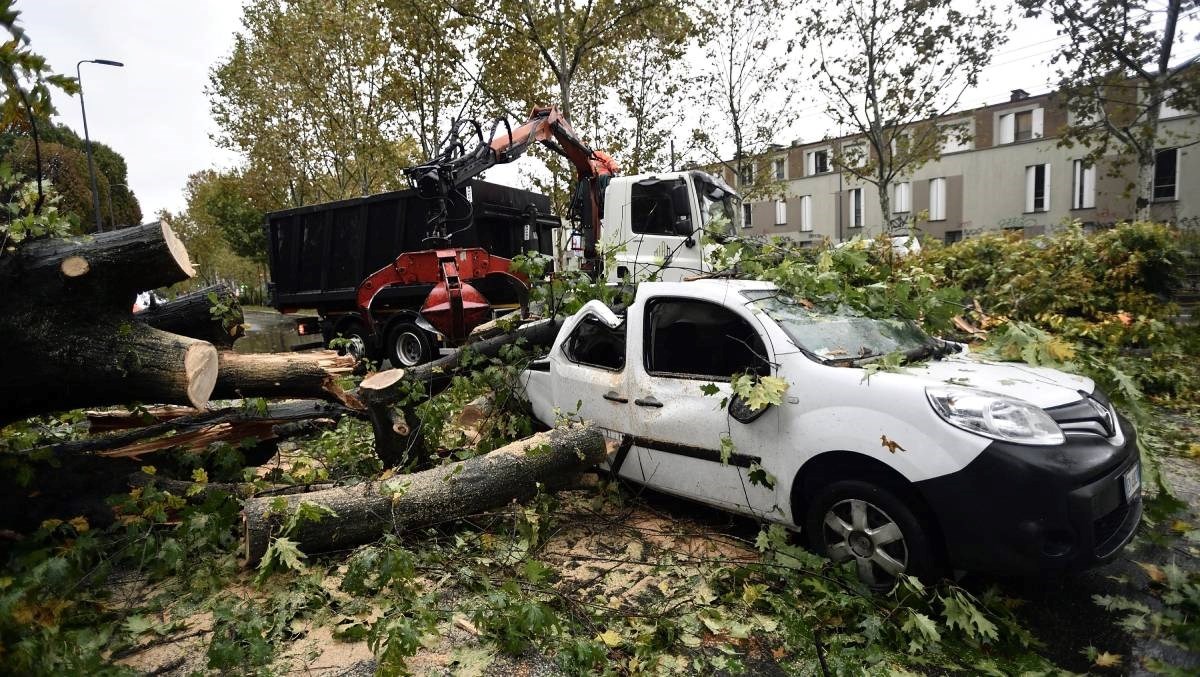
(742, 412)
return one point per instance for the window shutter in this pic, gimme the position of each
(1007, 130)
(780, 212)
(1046, 188)
(806, 212)
(1037, 128)
(1089, 187)
(1030, 178)
(810, 163)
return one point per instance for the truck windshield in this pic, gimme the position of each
(841, 336)
(719, 213)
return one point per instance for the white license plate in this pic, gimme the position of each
(1133, 481)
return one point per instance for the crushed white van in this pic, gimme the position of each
(954, 463)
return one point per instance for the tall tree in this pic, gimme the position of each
(649, 87)
(332, 99)
(1118, 67)
(566, 36)
(746, 86)
(889, 68)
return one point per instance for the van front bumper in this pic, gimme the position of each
(1027, 510)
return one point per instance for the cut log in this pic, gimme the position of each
(283, 375)
(191, 315)
(68, 334)
(366, 511)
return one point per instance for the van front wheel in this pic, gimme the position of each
(868, 524)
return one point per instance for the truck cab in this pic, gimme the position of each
(661, 226)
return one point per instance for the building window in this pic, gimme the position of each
(780, 212)
(1166, 174)
(937, 199)
(956, 137)
(747, 175)
(856, 207)
(903, 202)
(1037, 198)
(953, 236)
(1083, 185)
(1021, 126)
(854, 155)
(816, 162)
(780, 169)
(806, 213)
(746, 212)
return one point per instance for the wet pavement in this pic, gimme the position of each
(268, 331)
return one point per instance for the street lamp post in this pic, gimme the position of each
(87, 138)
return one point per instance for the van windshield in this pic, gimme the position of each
(838, 337)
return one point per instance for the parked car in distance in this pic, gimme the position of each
(955, 463)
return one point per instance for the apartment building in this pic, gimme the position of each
(1005, 171)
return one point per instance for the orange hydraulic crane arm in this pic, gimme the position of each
(454, 165)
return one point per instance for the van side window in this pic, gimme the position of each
(697, 339)
(597, 345)
(650, 208)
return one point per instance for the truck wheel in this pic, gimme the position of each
(867, 523)
(408, 345)
(361, 341)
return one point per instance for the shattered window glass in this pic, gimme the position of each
(837, 336)
(701, 340)
(597, 345)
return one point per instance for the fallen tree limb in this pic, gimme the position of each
(398, 435)
(283, 375)
(366, 511)
(191, 315)
(190, 431)
(239, 489)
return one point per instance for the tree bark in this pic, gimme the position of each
(283, 375)
(190, 315)
(68, 334)
(366, 511)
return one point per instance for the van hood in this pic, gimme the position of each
(1041, 386)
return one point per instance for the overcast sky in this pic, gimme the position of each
(154, 111)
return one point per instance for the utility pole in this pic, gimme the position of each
(88, 139)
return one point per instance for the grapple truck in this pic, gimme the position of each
(404, 274)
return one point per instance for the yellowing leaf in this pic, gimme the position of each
(51, 524)
(1153, 572)
(1060, 350)
(1107, 660)
(200, 476)
(610, 638)
(1181, 527)
(149, 469)
(80, 524)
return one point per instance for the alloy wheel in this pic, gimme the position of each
(858, 530)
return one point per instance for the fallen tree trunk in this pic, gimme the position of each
(398, 434)
(68, 333)
(283, 375)
(366, 511)
(191, 315)
(200, 429)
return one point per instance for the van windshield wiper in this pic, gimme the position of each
(934, 349)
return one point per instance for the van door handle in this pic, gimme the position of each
(648, 402)
(614, 396)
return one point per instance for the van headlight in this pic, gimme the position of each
(993, 415)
